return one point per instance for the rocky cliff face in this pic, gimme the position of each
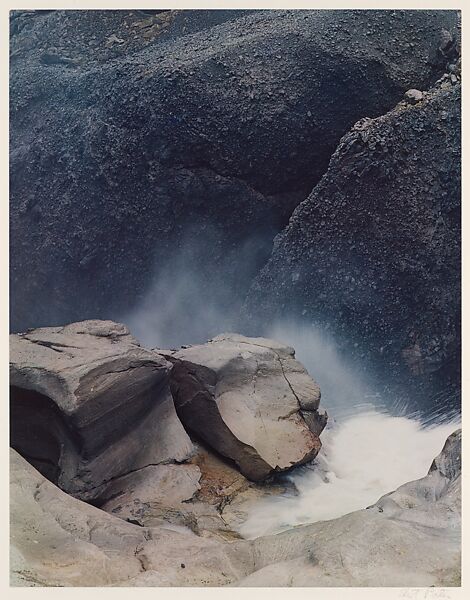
(374, 251)
(133, 134)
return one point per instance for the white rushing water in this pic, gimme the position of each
(368, 450)
(363, 458)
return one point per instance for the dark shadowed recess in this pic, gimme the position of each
(38, 431)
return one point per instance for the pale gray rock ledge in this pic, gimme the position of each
(410, 537)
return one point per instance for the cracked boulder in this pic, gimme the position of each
(89, 405)
(246, 398)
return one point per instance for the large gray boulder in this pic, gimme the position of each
(132, 136)
(374, 251)
(247, 397)
(88, 405)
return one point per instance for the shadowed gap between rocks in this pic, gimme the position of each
(38, 431)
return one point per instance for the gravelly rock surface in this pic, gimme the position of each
(131, 135)
(375, 249)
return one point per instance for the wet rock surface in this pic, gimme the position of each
(375, 249)
(206, 495)
(58, 540)
(245, 397)
(132, 133)
(410, 537)
(88, 404)
(153, 495)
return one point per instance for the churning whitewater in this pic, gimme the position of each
(362, 458)
(368, 448)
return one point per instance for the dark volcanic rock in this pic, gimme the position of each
(246, 398)
(375, 249)
(131, 133)
(89, 405)
(108, 33)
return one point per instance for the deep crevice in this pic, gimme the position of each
(38, 431)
